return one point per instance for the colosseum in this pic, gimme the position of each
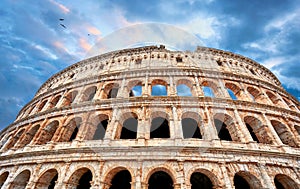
(149, 117)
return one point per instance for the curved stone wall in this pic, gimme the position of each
(219, 117)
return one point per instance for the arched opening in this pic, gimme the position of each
(3, 178)
(240, 182)
(54, 101)
(222, 130)
(200, 180)
(254, 94)
(135, 88)
(48, 132)
(14, 140)
(101, 126)
(284, 134)
(234, 91)
(29, 136)
(70, 130)
(41, 106)
(183, 90)
(121, 180)
(190, 128)
(159, 128)
(282, 181)
(208, 91)
(159, 88)
(272, 97)
(245, 180)
(81, 179)
(129, 129)
(252, 133)
(231, 94)
(69, 98)
(110, 91)
(89, 93)
(113, 93)
(47, 180)
(257, 131)
(20, 180)
(160, 180)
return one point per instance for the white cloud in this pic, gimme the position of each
(274, 61)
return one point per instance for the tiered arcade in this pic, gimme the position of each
(152, 118)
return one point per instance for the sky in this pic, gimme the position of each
(35, 43)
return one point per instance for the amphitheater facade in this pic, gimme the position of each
(149, 117)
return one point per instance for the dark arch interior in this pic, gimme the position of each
(92, 94)
(100, 131)
(222, 130)
(190, 128)
(3, 178)
(52, 182)
(200, 180)
(129, 128)
(113, 93)
(240, 182)
(252, 133)
(159, 128)
(284, 182)
(278, 185)
(84, 181)
(122, 180)
(74, 134)
(160, 180)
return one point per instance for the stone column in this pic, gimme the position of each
(226, 178)
(272, 130)
(122, 89)
(198, 88)
(244, 132)
(177, 124)
(37, 135)
(112, 126)
(33, 180)
(62, 182)
(210, 131)
(172, 87)
(266, 179)
(145, 87)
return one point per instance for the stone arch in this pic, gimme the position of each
(159, 87)
(3, 178)
(70, 130)
(97, 127)
(284, 133)
(110, 90)
(258, 130)
(115, 174)
(289, 103)
(275, 100)
(21, 180)
(41, 105)
(5, 140)
(15, 138)
(54, 101)
(47, 132)
(47, 179)
(80, 179)
(191, 123)
(89, 94)
(69, 98)
(236, 90)
(282, 181)
(246, 180)
(127, 128)
(29, 136)
(212, 176)
(135, 88)
(255, 94)
(161, 170)
(225, 127)
(160, 127)
(210, 89)
(184, 87)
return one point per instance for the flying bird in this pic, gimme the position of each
(63, 26)
(61, 19)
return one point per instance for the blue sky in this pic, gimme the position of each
(34, 45)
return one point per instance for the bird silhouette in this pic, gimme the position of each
(63, 26)
(61, 19)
